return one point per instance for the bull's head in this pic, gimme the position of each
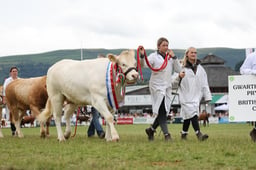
(126, 61)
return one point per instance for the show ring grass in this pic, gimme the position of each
(229, 147)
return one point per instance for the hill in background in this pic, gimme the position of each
(34, 65)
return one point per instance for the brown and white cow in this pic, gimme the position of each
(27, 94)
(86, 83)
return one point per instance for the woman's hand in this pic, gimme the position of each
(141, 50)
(171, 53)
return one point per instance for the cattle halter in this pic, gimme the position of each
(130, 69)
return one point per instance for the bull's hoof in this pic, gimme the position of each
(43, 135)
(67, 135)
(115, 140)
(61, 140)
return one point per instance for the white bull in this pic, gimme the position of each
(87, 83)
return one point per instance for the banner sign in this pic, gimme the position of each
(242, 98)
(122, 121)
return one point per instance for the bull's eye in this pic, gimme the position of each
(123, 65)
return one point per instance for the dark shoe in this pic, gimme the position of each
(167, 137)
(201, 136)
(102, 135)
(13, 133)
(253, 134)
(184, 136)
(150, 134)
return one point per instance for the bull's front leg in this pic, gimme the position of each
(111, 133)
(108, 132)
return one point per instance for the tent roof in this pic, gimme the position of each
(216, 97)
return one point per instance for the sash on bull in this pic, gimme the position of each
(98, 82)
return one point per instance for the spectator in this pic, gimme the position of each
(13, 76)
(95, 125)
(249, 68)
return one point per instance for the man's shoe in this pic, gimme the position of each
(184, 136)
(202, 137)
(102, 135)
(253, 134)
(167, 137)
(150, 133)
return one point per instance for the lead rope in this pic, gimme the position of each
(78, 111)
(167, 57)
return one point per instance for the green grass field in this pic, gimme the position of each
(228, 147)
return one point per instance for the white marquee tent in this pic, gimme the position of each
(223, 107)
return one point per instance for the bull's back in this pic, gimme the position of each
(28, 91)
(77, 78)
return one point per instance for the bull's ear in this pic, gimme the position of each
(112, 58)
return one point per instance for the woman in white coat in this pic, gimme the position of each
(160, 86)
(193, 87)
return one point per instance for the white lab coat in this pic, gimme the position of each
(249, 65)
(160, 83)
(193, 87)
(6, 83)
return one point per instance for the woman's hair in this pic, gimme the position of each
(160, 40)
(185, 58)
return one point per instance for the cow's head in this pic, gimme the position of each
(126, 60)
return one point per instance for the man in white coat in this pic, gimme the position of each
(163, 61)
(249, 68)
(192, 88)
(13, 76)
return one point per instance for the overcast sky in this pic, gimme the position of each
(35, 26)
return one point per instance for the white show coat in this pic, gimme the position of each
(160, 83)
(191, 90)
(249, 65)
(6, 83)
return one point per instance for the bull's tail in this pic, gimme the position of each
(46, 113)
